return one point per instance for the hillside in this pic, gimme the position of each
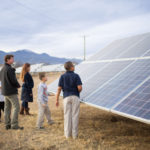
(23, 56)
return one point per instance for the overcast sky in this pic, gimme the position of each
(57, 26)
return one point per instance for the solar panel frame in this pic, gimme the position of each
(130, 116)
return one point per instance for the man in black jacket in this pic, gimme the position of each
(10, 87)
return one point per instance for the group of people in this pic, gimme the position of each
(69, 82)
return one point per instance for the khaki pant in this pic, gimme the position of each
(11, 102)
(43, 111)
(71, 116)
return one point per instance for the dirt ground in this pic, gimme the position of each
(97, 130)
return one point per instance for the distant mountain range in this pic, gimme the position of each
(23, 56)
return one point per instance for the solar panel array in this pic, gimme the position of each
(117, 78)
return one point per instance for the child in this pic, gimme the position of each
(71, 85)
(43, 102)
(1, 102)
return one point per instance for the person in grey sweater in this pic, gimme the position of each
(43, 102)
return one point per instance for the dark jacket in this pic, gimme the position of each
(26, 93)
(9, 80)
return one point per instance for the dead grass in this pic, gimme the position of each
(97, 131)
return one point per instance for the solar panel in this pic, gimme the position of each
(82, 67)
(117, 79)
(105, 51)
(126, 46)
(137, 103)
(91, 70)
(138, 49)
(147, 54)
(53, 86)
(129, 47)
(101, 76)
(112, 91)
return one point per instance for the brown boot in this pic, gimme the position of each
(27, 111)
(22, 111)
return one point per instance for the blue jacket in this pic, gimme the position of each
(27, 88)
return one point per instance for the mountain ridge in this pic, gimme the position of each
(25, 55)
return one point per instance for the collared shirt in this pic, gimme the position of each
(69, 82)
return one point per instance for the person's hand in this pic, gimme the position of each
(57, 103)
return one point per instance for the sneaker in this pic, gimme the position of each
(17, 128)
(51, 122)
(8, 127)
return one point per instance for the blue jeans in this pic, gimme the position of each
(24, 104)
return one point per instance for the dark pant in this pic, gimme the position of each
(1, 107)
(24, 104)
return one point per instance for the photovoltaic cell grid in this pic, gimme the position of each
(138, 49)
(82, 67)
(90, 69)
(105, 51)
(101, 76)
(138, 103)
(125, 48)
(111, 93)
(147, 54)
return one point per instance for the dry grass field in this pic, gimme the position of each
(97, 130)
